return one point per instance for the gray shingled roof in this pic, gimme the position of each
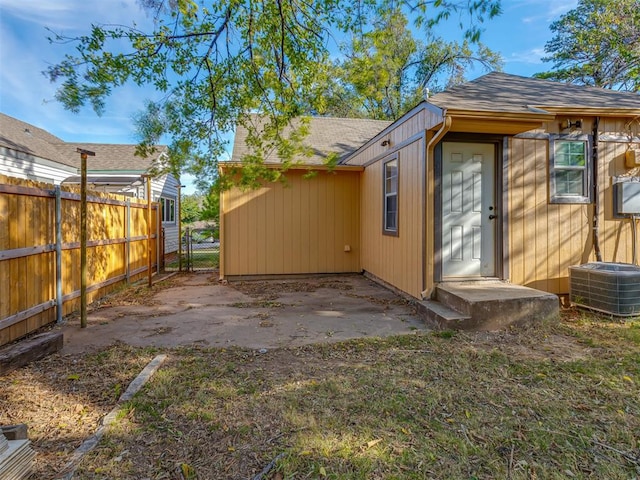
(24, 137)
(109, 157)
(502, 92)
(326, 135)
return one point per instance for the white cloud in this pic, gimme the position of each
(25, 52)
(532, 56)
(545, 10)
(74, 15)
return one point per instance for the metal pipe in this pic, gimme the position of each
(446, 126)
(179, 228)
(188, 245)
(596, 199)
(634, 240)
(444, 129)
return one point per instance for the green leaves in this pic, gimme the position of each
(387, 69)
(597, 44)
(217, 63)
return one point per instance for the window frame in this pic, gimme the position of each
(168, 212)
(386, 230)
(565, 198)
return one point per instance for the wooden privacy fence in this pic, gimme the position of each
(40, 250)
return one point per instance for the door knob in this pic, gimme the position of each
(492, 217)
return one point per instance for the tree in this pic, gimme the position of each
(190, 209)
(597, 44)
(211, 206)
(386, 70)
(219, 61)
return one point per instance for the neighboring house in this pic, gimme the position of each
(498, 178)
(29, 152)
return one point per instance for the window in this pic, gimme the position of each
(168, 206)
(390, 220)
(570, 169)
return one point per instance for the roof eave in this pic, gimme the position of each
(116, 172)
(498, 122)
(540, 115)
(593, 111)
(424, 105)
(298, 166)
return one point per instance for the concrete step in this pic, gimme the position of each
(437, 315)
(494, 305)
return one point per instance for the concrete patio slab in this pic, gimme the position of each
(198, 310)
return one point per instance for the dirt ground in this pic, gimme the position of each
(195, 309)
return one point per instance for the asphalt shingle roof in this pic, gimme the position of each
(24, 137)
(503, 92)
(326, 135)
(115, 157)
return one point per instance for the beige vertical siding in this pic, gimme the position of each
(415, 122)
(616, 238)
(302, 227)
(405, 261)
(545, 239)
(396, 260)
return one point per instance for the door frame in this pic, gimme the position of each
(500, 144)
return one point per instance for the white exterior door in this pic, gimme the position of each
(468, 210)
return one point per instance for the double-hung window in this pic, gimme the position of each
(390, 207)
(168, 206)
(570, 164)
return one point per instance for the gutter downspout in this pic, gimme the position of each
(444, 129)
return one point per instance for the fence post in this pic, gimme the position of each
(187, 237)
(83, 234)
(58, 207)
(149, 230)
(127, 238)
(180, 237)
(158, 237)
(162, 248)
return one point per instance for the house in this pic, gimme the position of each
(29, 152)
(303, 226)
(494, 187)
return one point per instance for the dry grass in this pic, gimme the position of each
(138, 294)
(62, 399)
(550, 402)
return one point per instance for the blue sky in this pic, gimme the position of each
(519, 35)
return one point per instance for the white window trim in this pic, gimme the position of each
(385, 195)
(588, 170)
(168, 200)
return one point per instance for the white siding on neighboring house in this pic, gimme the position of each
(29, 152)
(18, 164)
(164, 189)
